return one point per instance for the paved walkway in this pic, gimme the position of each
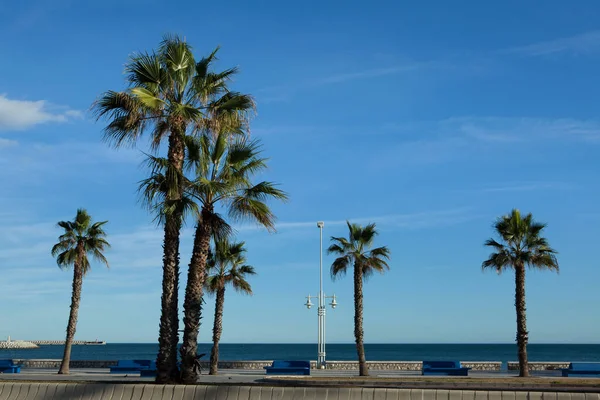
(229, 375)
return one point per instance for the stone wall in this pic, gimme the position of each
(259, 364)
(539, 366)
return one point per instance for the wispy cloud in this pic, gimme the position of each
(435, 142)
(527, 187)
(416, 220)
(7, 143)
(582, 44)
(367, 74)
(287, 91)
(23, 114)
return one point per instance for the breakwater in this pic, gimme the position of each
(62, 342)
(17, 344)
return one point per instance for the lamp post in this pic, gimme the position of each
(321, 308)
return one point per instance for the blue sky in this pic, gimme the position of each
(429, 119)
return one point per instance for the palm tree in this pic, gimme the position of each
(169, 96)
(357, 250)
(227, 263)
(224, 166)
(521, 245)
(220, 168)
(81, 238)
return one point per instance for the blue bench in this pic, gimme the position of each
(280, 367)
(9, 367)
(132, 366)
(444, 368)
(580, 368)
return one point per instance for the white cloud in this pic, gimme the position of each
(583, 44)
(24, 114)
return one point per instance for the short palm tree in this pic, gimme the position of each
(357, 251)
(219, 179)
(226, 265)
(81, 238)
(171, 95)
(521, 245)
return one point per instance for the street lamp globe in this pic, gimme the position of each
(333, 303)
(308, 303)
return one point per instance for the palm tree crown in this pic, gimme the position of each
(81, 238)
(357, 249)
(170, 92)
(227, 266)
(523, 244)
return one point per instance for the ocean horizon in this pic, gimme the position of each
(335, 351)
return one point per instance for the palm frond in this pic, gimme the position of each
(498, 261)
(127, 117)
(145, 71)
(243, 208)
(339, 267)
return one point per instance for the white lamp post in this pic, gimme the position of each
(321, 309)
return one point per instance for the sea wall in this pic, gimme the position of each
(110, 391)
(259, 364)
(54, 363)
(338, 365)
(539, 366)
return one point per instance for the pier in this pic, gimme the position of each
(75, 342)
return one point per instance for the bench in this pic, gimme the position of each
(285, 367)
(581, 368)
(132, 366)
(444, 368)
(9, 367)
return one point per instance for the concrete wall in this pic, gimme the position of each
(339, 365)
(110, 391)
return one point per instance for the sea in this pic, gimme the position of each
(335, 351)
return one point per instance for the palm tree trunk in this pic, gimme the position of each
(166, 361)
(358, 320)
(192, 305)
(522, 334)
(72, 324)
(217, 329)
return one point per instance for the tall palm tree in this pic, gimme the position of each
(219, 178)
(226, 265)
(81, 238)
(169, 96)
(224, 167)
(356, 250)
(521, 244)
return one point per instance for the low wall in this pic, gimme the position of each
(110, 391)
(259, 364)
(39, 363)
(539, 366)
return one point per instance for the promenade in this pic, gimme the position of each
(243, 375)
(232, 384)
